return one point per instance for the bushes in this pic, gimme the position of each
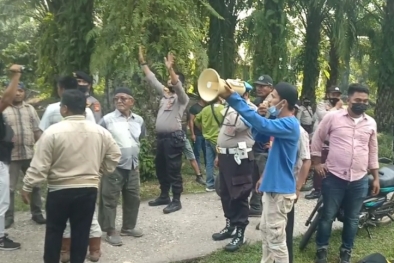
(147, 161)
(385, 145)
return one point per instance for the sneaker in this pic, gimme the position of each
(210, 189)
(345, 255)
(7, 244)
(131, 232)
(321, 255)
(114, 239)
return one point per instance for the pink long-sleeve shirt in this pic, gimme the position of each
(353, 144)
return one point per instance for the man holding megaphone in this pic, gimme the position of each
(278, 182)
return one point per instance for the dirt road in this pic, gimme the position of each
(182, 235)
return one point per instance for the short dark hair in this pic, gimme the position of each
(75, 101)
(357, 87)
(67, 83)
(181, 77)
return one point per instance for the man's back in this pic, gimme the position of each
(73, 151)
(211, 118)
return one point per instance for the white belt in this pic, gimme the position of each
(229, 150)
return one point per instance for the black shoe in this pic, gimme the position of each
(174, 206)
(237, 241)
(8, 222)
(258, 226)
(161, 200)
(313, 195)
(7, 244)
(227, 232)
(39, 219)
(200, 180)
(254, 212)
(345, 255)
(321, 256)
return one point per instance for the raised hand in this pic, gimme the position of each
(169, 60)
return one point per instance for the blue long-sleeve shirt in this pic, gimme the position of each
(278, 174)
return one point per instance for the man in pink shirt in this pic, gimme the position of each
(353, 149)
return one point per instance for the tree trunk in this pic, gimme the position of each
(222, 48)
(333, 64)
(311, 53)
(385, 103)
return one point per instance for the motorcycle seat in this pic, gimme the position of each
(386, 176)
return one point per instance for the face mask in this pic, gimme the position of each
(83, 88)
(273, 111)
(358, 108)
(333, 101)
(307, 103)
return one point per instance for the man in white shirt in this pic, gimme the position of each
(52, 112)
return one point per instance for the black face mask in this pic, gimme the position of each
(333, 101)
(83, 88)
(306, 103)
(358, 108)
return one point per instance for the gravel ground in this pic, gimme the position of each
(182, 235)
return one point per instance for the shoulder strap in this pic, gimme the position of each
(309, 112)
(216, 118)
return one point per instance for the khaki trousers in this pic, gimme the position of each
(273, 226)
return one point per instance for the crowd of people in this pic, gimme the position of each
(261, 149)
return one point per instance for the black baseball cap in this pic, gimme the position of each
(82, 75)
(287, 92)
(264, 80)
(334, 90)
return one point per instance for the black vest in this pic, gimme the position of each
(6, 144)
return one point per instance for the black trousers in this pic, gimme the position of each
(76, 204)
(289, 234)
(259, 164)
(169, 163)
(236, 183)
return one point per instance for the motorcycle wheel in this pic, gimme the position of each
(308, 234)
(217, 186)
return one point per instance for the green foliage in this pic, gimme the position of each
(147, 161)
(385, 142)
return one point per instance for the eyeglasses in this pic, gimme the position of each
(122, 99)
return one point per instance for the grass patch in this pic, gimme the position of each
(149, 189)
(380, 242)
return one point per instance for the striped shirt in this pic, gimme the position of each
(24, 122)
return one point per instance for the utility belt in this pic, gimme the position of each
(180, 135)
(240, 153)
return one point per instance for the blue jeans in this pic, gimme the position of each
(210, 155)
(337, 192)
(198, 146)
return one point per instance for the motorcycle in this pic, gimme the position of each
(373, 210)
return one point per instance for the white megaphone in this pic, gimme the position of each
(210, 85)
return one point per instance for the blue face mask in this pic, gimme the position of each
(273, 111)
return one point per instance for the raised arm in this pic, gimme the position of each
(41, 163)
(150, 77)
(281, 128)
(176, 83)
(10, 92)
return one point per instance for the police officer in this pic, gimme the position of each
(264, 86)
(85, 85)
(169, 134)
(235, 160)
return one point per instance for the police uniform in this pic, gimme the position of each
(170, 140)
(236, 162)
(92, 102)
